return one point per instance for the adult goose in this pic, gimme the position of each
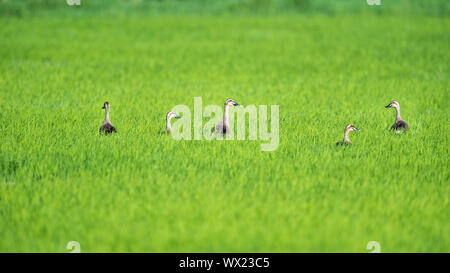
(107, 127)
(346, 140)
(223, 127)
(399, 124)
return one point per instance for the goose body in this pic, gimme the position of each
(399, 124)
(223, 127)
(346, 141)
(107, 127)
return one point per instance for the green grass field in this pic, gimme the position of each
(139, 191)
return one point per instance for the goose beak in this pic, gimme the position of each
(236, 104)
(356, 129)
(177, 117)
(388, 106)
(103, 107)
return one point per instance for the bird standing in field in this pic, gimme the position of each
(223, 127)
(169, 117)
(107, 127)
(399, 124)
(346, 140)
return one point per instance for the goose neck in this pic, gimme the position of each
(107, 114)
(225, 115)
(168, 125)
(397, 115)
(346, 138)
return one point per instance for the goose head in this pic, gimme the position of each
(393, 104)
(105, 105)
(170, 115)
(350, 127)
(231, 102)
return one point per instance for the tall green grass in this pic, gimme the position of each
(25, 8)
(140, 191)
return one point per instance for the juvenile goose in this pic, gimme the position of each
(223, 127)
(399, 123)
(346, 140)
(107, 127)
(170, 116)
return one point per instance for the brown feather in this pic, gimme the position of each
(107, 128)
(343, 143)
(400, 125)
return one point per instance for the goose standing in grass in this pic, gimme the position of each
(107, 127)
(223, 127)
(399, 124)
(346, 140)
(170, 115)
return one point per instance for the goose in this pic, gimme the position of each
(223, 127)
(346, 140)
(399, 123)
(169, 116)
(107, 127)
